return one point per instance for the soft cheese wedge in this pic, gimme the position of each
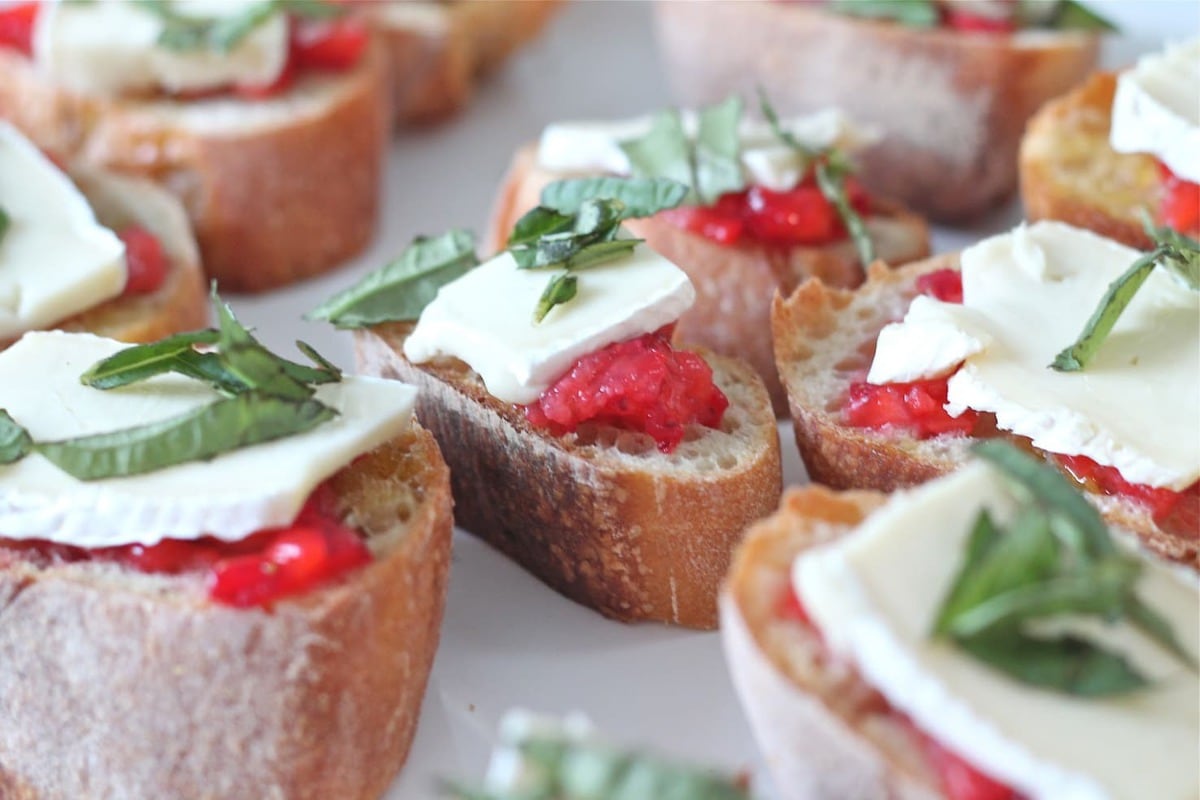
(485, 318)
(238, 492)
(55, 258)
(114, 47)
(1156, 109)
(874, 596)
(1026, 296)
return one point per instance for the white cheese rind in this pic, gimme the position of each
(1156, 109)
(874, 596)
(485, 319)
(55, 258)
(1026, 296)
(229, 497)
(595, 147)
(934, 338)
(110, 47)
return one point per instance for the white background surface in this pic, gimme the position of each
(507, 640)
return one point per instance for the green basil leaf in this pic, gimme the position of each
(601, 253)
(663, 152)
(1075, 16)
(222, 34)
(139, 362)
(1116, 298)
(561, 289)
(211, 369)
(198, 435)
(718, 151)
(15, 442)
(5, 222)
(1049, 489)
(598, 218)
(914, 13)
(641, 197)
(538, 222)
(1066, 664)
(832, 182)
(401, 289)
(326, 371)
(998, 563)
(251, 363)
(1155, 626)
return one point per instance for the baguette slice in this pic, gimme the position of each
(436, 65)
(734, 285)
(181, 304)
(276, 189)
(825, 340)
(824, 733)
(1070, 173)
(599, 515)
(119, 684)
(952, 105)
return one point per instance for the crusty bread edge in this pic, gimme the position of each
(318, 698)
(819, 742)
(634, 542)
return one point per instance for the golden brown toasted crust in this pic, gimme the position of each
(600, 515)
(825, 340)
(1070, 173)
(434, 73)
(952, 105)
(734, 284)
(120, 686)
(277, 189)
(825, 734)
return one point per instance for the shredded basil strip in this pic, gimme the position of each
(15, 442)
(663, 152)
(718, 150)
(1054, 558)
(197, 435)
(641, 197)
(222, 34)
(139, 362)
(914, 13)
(400, 290)
(5, 222)
(831, 168)
(1051, 14)
(1075, 16)
(561, 289)
(1176, 253)
(562, 769)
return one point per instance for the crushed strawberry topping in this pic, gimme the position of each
(916, 406)
(1164, 504)
(16, 26)
(962, 20)
(145, 262)
(801, 216)
(1180, 206)
(266, 566)
(943, 284)
(641, 384)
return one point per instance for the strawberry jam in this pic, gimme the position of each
(801, 216)
(916, 406)
(641, 384)
(1180, 205)
(1173, 511)
(266, 566)
(145, 262)
(16, 26)
(942, 284)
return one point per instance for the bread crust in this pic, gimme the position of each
(434, 73)
(952, 105)
(825, 340)
(608, 522)
(1070, 173)
(115, 686)
(277, 190)
(824, 733)
(734, 284)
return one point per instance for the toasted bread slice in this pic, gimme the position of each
(825, 340)
(437, 60)
(181, 304)
(734, 285)
(824, 733)
(115, 683)
(952, 106)
(277, 189)
(1070, 173)
(600, 515)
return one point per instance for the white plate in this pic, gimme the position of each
(507, 640)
